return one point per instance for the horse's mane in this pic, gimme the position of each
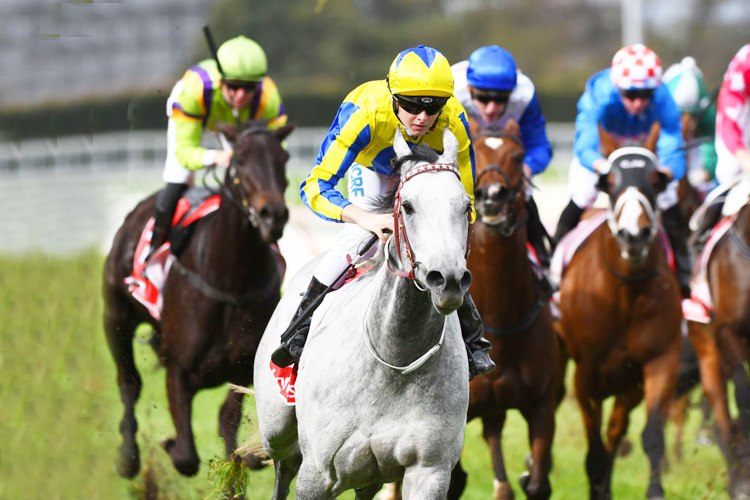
(421, 153)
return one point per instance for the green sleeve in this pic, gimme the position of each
(189, 152)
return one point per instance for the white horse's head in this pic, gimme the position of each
(434, 212)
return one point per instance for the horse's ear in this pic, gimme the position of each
(653, 137)
(473, 128)
(450, 145)
(512, 128)
(659, 180)
(607, 142)
(399, 144)
(283, 132)
(604, 182)
(229, 130)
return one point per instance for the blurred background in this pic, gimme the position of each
(83, 90)
(83, 85)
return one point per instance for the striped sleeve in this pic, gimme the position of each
(349, 134)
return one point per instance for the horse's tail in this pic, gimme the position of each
(253, 454)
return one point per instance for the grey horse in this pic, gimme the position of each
(382, 388)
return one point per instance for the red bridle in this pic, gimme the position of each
(398, 217)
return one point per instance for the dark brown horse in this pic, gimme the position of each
(516, 315)
(620, 317)
(217, 299)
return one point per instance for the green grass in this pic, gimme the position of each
(60, 411)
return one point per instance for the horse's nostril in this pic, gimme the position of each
(435, 279)
(644, 234)
(265, 213)
(465, 280)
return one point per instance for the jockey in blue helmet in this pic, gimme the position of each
(493, 91)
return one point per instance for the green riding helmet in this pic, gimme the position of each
(242, 60)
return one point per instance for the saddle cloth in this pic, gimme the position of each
(702, 304)
(196, 205)
(287, 377)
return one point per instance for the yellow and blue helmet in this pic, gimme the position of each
(421, 71)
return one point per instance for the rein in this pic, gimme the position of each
(398, 220)
(214, 293)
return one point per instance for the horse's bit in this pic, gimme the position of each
(398, 220)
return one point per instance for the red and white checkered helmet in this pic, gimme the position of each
(636, 67)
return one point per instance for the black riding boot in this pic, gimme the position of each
(569, 219)
(166, 203)
(710, 218)
(537, 234)
(472, 330)
(293, 339)
(676, 228)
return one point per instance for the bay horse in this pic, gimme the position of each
(620, 318)
(516, 315)
(217, 298)
(383, 384)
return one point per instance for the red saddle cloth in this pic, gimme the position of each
(147, 291)
(287, 377)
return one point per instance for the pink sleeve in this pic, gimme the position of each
(733, 97)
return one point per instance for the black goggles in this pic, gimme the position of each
(237, 85)
(634, 94)
(485, 96)
(414, 105)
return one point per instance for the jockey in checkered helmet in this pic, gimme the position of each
(625, 101)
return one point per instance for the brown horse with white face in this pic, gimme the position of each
(218, 297)
(620, 317)
(516, 314)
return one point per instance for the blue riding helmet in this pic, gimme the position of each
(492, 67)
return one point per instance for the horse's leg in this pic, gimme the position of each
(229, 421)
(741, 378)
(458, 482)
(598, 460)
(311, 485)
(285, 472)
(182, 447)
(119, 326)
(425, 483)
(677, 414)
(391, 491)
(659, 377)
(541, 422)
(493, 431)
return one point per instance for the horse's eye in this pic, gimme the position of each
(407, 208)
(479, 194)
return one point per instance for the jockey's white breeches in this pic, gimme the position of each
(727, 165)
(583, 192)
(365, 189)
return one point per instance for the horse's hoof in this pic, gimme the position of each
(129, 463)
(503, 491)
(524, 480)
(187, 466)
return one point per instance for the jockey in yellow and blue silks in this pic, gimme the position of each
(200, 100)
(417, 99)
(625, 101)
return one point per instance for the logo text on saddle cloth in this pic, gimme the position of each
(285, 377)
